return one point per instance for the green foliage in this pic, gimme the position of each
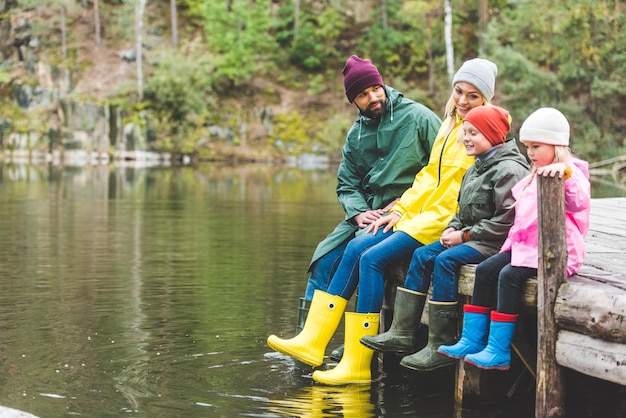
(181, 85)
(401, 50)
(331, 132)
(314, 45)
(290, 132)
(239, 37)
(569, 56)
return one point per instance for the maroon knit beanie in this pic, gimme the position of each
(359, 74)
(491, 121)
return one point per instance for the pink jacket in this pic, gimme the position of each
(523, 238)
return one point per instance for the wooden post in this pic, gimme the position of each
(550, 396)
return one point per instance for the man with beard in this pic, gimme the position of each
(386, 146)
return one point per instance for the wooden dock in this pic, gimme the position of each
(589, 309)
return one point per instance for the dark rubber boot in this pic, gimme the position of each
(442, 326)
(303, 312)
(402, 335)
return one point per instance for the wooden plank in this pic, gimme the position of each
(592, 309)
(593, 300)
(592, 357)
(590, 274)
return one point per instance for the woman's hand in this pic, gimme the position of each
(389, 220)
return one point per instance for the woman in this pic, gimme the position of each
(417, 219)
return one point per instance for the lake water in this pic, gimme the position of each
(150, 292)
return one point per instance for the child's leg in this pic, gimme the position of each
(510, 284)
(486, 278)
(421, 268)
(446, 271)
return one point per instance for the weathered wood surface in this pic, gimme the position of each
(591, 356)
(593, 310)
(591, 304)
(590, 308)
(551, 273)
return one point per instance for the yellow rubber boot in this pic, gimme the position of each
(321, 323)
(355, 365)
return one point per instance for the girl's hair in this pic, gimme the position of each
(450, 113)
(562, 153)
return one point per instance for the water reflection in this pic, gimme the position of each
(323, 401)
(152, 290)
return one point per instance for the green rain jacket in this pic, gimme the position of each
(379, 161)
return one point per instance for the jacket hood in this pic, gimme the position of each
(509, 151)
(581, 164)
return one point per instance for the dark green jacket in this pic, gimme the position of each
(379, 161)
(485, 198)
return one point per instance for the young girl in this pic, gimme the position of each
(476, 231)
(546, 135)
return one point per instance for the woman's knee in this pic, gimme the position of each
(371, 259)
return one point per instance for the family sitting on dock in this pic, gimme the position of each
(473, 202)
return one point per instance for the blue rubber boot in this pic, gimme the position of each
(474, 335)
(497, 354)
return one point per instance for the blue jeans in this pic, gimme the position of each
(364, 262)
(442, 264)
(323, 270)
(510, 280)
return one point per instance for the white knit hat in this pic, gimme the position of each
(480, 73)
(547, 126)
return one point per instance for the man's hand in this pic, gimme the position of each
(365, 219)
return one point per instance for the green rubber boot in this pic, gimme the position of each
(303, 312)
(402, 334)
(442, 328)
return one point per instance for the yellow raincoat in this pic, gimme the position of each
(428, 206)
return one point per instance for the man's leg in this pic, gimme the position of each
(323, 269)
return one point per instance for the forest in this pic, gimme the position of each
(268, 72)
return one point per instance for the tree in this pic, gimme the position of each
(174, 23)
(63, 32)
(140, 6)
(296, 18)
(448, 36)
(96, 18)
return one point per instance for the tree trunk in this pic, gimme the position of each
(139, 11)
(296, 18)
(431, 59)
(482, 27)
(174, 23)
(96, 18)
(63, 33)
(448, 36)
(384, 13)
